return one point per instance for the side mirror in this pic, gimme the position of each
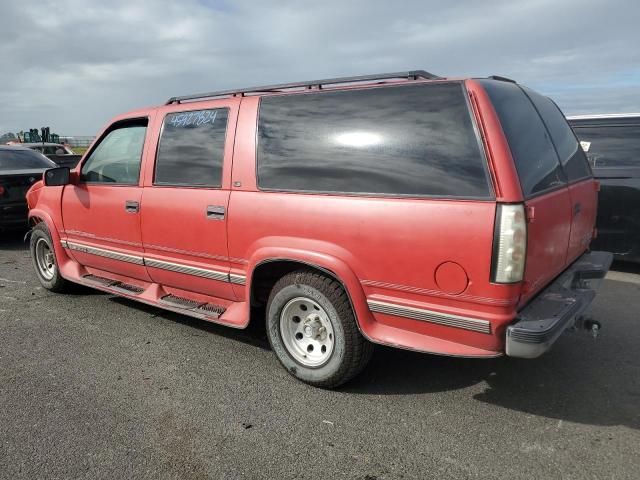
(56, 177)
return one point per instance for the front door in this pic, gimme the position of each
(101, 211)
(185, 198)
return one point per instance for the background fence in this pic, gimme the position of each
(77, 140)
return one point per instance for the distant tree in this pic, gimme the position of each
(7, 137)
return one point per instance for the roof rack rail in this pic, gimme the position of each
(410, 75)
(502, 79)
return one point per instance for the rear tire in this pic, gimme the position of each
(44, 260)
(312, 330)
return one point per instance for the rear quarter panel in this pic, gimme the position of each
(394, 246)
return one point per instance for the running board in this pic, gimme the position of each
(209, 309)
(115, 284)
(174, 303)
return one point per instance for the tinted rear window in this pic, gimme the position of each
(23, 160)
(191, 149)
(534, 155)
(571, 155)
(611, 146)
(409, 140)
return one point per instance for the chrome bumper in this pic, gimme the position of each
(557, 307)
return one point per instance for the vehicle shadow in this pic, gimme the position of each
(581, 380)
(13, 240)
(254, 334)
(626, 267)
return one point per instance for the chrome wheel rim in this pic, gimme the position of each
(307, 332)
(45, 260)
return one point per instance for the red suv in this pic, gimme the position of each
(449, 216)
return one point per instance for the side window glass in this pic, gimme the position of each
(117, 157)
(611, 146)
(404, 140)
(191, 149)
(531, 148)
(571, 155)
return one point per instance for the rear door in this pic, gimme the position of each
(582, 188)
(186, 198)
(543, 183)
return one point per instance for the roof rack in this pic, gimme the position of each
(502, 79)
(409, 75)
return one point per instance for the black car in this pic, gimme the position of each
(20, 167)
(612, 144)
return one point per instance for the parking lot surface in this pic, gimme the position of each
(93, 386)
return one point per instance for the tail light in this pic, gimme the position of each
(2, 190)
(509, 244)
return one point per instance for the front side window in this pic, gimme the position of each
(530, 144)
(572, 157)
(117, 157)
(191, 149)
(401, 140)
(616, 146)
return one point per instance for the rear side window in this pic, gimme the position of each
(18, 159)
(117, 157)
(409, 140)
(191, 149)
(611, 146)
(531, 148)
(572, 157)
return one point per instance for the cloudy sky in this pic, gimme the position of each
(73, 64)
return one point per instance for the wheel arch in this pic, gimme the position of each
(269, 267)
(38, 216)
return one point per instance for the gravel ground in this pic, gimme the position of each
(93, 386)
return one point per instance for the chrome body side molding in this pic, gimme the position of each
(218, 275)
(447, 319)
(188, 270)
(237, 279)
(101, 252)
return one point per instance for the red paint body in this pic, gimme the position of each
(432, 254)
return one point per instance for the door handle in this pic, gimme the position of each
(215, 212)
(132, 206)
(577, 208)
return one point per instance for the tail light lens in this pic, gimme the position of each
(2, 190)
(509, 244)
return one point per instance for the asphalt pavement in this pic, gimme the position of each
(94, 386)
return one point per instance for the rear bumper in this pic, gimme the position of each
(557, 307)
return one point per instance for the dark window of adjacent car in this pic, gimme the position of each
(191, 149)
(611, 146)
(531, 147)
(116, 159)
(19, 159)
(572, 157)
(403, 140)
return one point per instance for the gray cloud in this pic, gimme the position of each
(73, 64)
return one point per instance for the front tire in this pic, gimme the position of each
(44, 260)
(312, 330)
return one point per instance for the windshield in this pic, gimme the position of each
(23, 160)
